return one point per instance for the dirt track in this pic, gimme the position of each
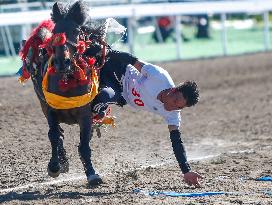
(232, 122)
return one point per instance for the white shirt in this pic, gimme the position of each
(140, 90)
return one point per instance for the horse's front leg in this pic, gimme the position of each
(85, 150)
(63, 159)
(54, 137)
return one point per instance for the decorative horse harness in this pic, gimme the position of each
(84, 71)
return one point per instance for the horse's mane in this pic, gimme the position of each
(95, 30)
(79, 13)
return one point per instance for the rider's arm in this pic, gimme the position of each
(178, 148)
(139, 65)
(122, 57)
(151, 71)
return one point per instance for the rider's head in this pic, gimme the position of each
(184, 95)
(190, 92)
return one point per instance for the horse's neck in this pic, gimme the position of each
(36, 69)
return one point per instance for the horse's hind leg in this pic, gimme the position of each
(54, 137)
(85, 151)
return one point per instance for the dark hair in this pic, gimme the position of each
(189, 91)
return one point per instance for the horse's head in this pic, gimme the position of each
(66, 34)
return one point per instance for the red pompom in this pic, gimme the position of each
(91, 61)
(63, 85)
(58, 39)
(81, 47)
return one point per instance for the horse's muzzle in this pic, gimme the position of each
(62, 66)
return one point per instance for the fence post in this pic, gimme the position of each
(131, 22)
(224, 33)
(178, 36)
(10, 41)
(266, 30)
(6, 47)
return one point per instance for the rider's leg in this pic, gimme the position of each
(105, 97)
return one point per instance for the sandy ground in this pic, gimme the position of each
(227, 137)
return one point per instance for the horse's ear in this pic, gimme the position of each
(58, 12)
(78, 12)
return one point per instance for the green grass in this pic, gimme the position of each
(9, 66)
(238, 42)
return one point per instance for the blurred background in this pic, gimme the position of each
(157, 30)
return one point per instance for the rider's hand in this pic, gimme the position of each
(192, 179)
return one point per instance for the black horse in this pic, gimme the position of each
(63, 58)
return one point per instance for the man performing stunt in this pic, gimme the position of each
(126, 80)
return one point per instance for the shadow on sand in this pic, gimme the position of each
(37, 195)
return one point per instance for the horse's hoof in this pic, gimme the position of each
(94, 180)
(53, 174)
(53, 169)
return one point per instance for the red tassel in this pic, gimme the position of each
(88, 42)
(47, 45)
(51, 70)
(81, 47)
(82, 75)
(63, 85)
(72, 83)
(84, 82)
(34, 41)
(109, 111)
(82, 64)
(25, 74)
(76, 75)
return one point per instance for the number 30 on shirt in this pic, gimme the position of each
(137, 100)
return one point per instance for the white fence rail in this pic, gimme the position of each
(132, 11)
